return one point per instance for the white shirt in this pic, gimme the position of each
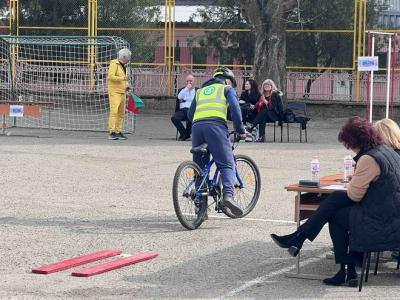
(187, 96)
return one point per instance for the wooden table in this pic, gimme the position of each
(307, 201)
(31, 109)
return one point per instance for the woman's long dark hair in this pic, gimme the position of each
(358, 133)
(253, 86)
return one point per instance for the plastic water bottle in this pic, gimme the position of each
(347, 167)
(315, 169)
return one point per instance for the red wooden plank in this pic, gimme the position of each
(76, 261)
(115, 264)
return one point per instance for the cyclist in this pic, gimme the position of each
(209, 116)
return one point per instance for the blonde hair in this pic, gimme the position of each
(390, 132)
(270, 82)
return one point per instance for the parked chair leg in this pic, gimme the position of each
(176, 136)
(274, 132)
(368, 265)
(364, 265)
(287, 127)
(376, 263)
(282, 133)
(305, 132)
(300, 133)
(398, 260)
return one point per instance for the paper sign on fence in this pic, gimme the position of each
(368, 63)
(16, 110)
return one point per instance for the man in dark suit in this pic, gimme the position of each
(183, 101)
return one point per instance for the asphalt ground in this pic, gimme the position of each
(72, 193)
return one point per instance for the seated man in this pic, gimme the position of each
(183, 101)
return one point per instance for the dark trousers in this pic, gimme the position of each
(177, 119)
(335, 210)
(216, 135)
(248, 114)
(261, 119)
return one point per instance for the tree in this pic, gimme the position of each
(265, 47)
(133, 14)
(231, 46)
(111, 14)
(269, 21)
(324, 49)
(53, 13)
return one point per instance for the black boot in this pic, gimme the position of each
(338, 279)
(348, 277)
(351, 277)
(293, 242)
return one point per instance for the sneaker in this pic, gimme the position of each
(113, 136)
(229, 203)
(121, 136)
(255, 133)
(249, 137)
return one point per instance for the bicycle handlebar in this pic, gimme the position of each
(236, 136)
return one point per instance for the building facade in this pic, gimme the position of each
(390, 17)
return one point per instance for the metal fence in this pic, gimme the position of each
(164, 50)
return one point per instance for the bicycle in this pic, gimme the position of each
(192, 186)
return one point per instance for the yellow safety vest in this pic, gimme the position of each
(211, 102)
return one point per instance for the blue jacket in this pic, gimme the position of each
(233, 103)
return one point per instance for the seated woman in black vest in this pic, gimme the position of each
(367, 216)
(248, 100)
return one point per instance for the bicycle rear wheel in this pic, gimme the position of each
(189, 209)
(247, 196)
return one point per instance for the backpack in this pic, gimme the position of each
(289, 116)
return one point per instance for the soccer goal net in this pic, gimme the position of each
(68, 72)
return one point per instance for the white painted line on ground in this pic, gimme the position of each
(263, 279)
(254, 219)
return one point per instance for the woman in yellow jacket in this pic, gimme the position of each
(117, 87)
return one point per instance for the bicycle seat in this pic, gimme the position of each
(202, 149)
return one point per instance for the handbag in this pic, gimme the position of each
(289, 116)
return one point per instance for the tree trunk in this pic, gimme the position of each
(268, 18)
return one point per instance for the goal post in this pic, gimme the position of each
(69, 71)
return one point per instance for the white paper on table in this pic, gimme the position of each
(337, 187)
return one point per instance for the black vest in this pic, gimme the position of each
(375, 220)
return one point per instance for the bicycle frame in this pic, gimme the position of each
(211, 184)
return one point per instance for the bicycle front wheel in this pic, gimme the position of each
(189, 208)
(245, 196)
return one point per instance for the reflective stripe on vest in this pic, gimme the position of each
(211, 102)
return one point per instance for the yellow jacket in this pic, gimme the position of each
(116, 77)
